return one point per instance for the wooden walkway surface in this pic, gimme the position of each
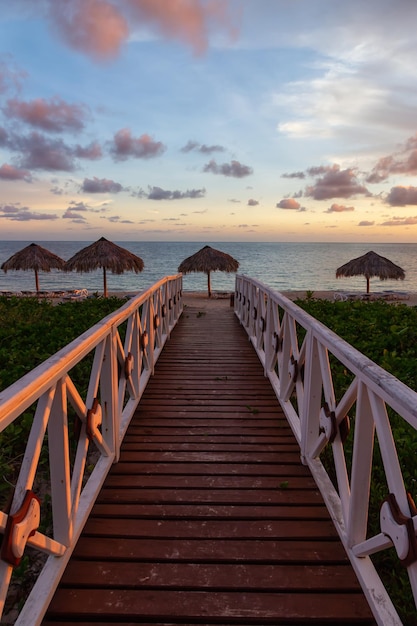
(209, 517)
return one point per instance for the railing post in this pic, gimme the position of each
(109, 395)
(60, 467)
(310, 414)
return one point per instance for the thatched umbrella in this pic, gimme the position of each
(105, 254)
(36, 258)
(369, 265)
(209, 260)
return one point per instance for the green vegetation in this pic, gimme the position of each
(387, 334)
(32, 330)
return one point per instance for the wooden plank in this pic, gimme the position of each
(265, 607)
(212, 529)
(209, 482)
(201, 469)
(307, 497)
(209, 516)
(219, 577)
(210, 511)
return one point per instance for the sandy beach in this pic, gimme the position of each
(410, 299)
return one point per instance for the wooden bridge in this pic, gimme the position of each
(209, 517)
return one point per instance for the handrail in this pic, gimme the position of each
(299, 354)
(122, 350)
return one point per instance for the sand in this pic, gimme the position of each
(410, 299)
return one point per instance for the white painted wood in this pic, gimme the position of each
(114, 400)
(371, 392)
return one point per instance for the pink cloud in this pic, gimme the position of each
(144, 147)
(22, 214)
(401, 196)
(185, 20)
(91, 152)
(233, 169)
(95, 27)
(74, 216)
(336, 183)
(9, 172)
(100, 185)
(402, 162)
(401, 221)
(10, 77)
(42, 153)
(366, 223)
(99, 28)
(289, 203)
(51, 115)
(339, 208)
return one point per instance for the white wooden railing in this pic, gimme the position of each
(122, 349)
(299, 354)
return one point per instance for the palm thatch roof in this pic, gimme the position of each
(36, 258)
(209, 260)
(369, 265)
(107, 255)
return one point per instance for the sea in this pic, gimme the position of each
(282, 266)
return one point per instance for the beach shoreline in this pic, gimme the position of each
(392, 297)
(408, 298)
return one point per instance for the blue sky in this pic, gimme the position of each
(208, 120)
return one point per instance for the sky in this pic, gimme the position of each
(208, 120)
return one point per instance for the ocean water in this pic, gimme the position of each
(282, 266)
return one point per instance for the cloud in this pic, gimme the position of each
(92, 152)
(22, 214)
(185, 21)
(233, 169)
(125, 146)
(402, 162)
(10, 208)
(252, 202)
(42, 153)
(69, 214)
(100, 185)
(10, 76)
(366, 223)
(294, 175)
(95, 27)
(336, 183)
(319, 170)
(4, 137)
(99, 28)
(54, 115)
(9, 172)
(401, 196)
(288, 203)
(339, 208)
(116, 219)
(197, 147)
(78, 206)
(401, 221)
(157, 193)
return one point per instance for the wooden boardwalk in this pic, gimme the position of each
(209, 517)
